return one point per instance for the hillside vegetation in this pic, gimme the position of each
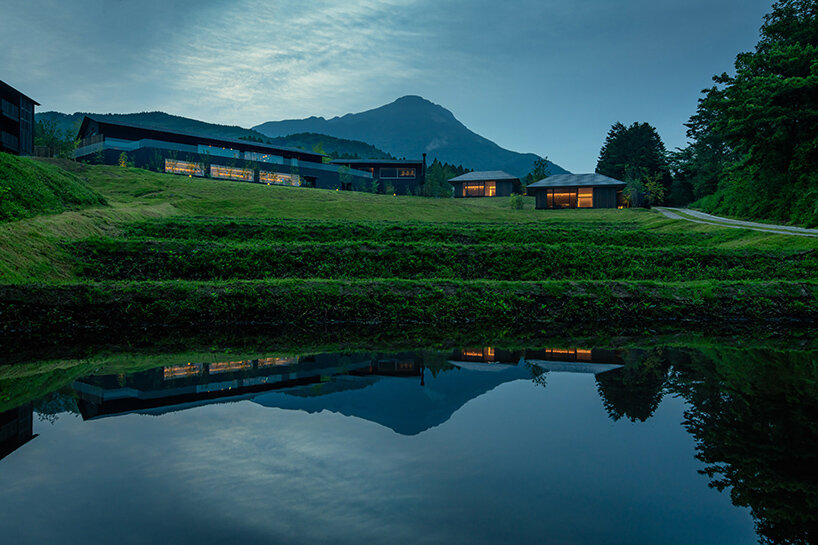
(176, 252)
(29, 188)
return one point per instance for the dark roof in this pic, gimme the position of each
(577, 180)
(484, 176)
(376, 161)
(8, 87)
(156, 133)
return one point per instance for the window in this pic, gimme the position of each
(263, 158)
(585, 197)
(219, 152)
(473, 189)
(406, 173)
(275, 178)
(229, 173)
(183, 167)
(388, 173)
(491, 189)
(561, 197)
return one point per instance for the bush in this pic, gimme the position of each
(516, 201)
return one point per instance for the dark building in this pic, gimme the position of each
(16, 429)
(406, 177)
(105, 142)
(16, 121)
(578, 191)
(490, 183)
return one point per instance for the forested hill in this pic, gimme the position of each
(69, 124)
(411, 126)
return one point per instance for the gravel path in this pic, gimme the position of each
(700, 217)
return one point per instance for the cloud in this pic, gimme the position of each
(260, 60)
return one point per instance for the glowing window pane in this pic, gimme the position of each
(229, 173)
(183, 167)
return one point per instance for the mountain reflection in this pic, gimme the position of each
(752, 413)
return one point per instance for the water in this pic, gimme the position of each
(479, 445)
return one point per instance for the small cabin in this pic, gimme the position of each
(490, 183)
(578, 191)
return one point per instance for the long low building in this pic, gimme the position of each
(487, 183)
(403, 177)
(105, 142)
(578, 191)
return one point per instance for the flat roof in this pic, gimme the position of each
(577, 180)
(376, 161)
(484, 176)
(205, 139)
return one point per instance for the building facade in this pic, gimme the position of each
(578, 191)
(105, 142)
(16, 121)
(403, 177)
(491, 183)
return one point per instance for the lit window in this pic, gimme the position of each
(585, 197)
(229, 173)
(183, 167)
(276, 178)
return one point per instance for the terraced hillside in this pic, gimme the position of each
(297, 258)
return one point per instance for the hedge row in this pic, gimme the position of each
(119, 259)
(599, 306)
(282, 231)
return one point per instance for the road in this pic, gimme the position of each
(708, 219)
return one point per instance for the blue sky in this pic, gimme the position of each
(545, 76)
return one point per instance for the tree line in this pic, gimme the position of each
(753, 140)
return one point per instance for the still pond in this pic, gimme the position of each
(578, 445)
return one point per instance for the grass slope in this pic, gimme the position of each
(29, 188)
(176, 252)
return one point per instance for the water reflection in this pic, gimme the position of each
(390, 389)
(752, 414)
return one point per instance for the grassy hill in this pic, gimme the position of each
(173, 252)
(29, 188)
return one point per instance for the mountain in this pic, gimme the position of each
(409, 127)
(338, 147)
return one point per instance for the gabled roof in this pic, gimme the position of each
(159, 133)
(484, 176)
(577, 180)
(6, 86)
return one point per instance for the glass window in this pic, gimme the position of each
(585, 197)
(229, 173)
(491, 189)
(183, 167)
(562, 198)
(279, 179)
(406, 173)
(474, 189)
(389, 173)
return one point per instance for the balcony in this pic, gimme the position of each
(10, 142)
(10, 110)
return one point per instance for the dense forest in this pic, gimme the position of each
(753, 140)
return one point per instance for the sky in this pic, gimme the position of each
(543, 76)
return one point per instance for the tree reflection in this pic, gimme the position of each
(754, 420)
(635, 390)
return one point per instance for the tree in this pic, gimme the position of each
(637, 148)
(437, 179)
(539, 170)
(766, 119)
(59, 143)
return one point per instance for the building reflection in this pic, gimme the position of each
(16, 429)
(407, 392)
